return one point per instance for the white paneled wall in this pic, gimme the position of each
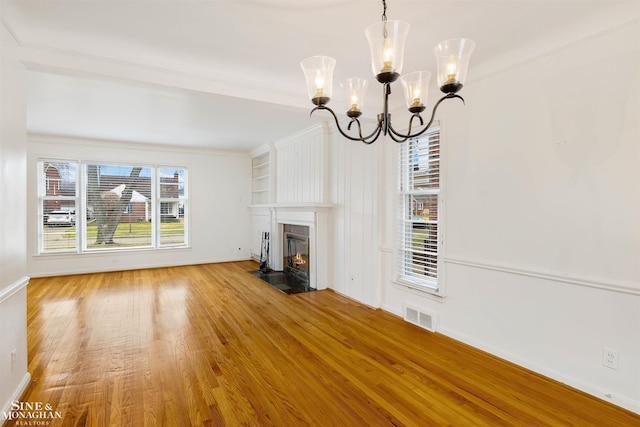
(357, 219)
(301, 168)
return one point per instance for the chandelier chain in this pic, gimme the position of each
(384, 19)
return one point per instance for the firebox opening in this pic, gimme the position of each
(296, 255)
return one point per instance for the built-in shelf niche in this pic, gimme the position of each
(260, 179)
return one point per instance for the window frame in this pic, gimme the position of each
(42, 188)
(184, 200)
(84, 196)
(80, 201)
(431, 285)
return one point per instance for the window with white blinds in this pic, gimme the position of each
(86, 206)
(58, 203)
(419, 210)
(173, 202)
(119, 202)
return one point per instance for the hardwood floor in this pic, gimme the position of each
(213, 345)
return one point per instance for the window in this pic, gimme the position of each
(109, 206)
(57, 196)
(419, 210)
(120, 198)
(173, 200)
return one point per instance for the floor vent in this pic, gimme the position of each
(420, 318)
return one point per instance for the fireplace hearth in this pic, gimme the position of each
(286, 283)
(296, 262)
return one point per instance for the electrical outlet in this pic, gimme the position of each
(610, 358)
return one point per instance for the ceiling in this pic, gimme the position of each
(225, 74)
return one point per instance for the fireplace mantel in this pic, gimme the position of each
(295, 206)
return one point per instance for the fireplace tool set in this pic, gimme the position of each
(264, 253)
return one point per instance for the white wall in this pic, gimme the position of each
(260, 223)
(541, 215)
(356, 168)
(219, 196)
(542, 211)
(13, 266)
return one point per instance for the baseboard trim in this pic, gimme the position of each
(390, 309)
(17, 394)
(598, 392)
(109, 268)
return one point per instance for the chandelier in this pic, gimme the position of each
(386, 42)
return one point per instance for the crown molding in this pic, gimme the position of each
(95, 142)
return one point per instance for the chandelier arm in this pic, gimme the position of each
(433, 115)
(356, 121)
(375, 138)
(367, 139)
(393, 133)
(398, 137)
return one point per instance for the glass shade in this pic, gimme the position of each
(354, 90)
(318, 71)
(416, 89)
(453, 60)
(386, 41)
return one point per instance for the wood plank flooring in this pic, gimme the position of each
(212, 345)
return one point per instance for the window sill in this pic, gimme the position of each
(102, 252)
(422, 290)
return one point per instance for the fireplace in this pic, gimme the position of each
(296, 251)
(312, 223)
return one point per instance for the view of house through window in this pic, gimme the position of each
(111, 206)
(120, 201)
(172, 206)
(58, 190)
(419, 210)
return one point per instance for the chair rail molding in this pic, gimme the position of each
(578, 281)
